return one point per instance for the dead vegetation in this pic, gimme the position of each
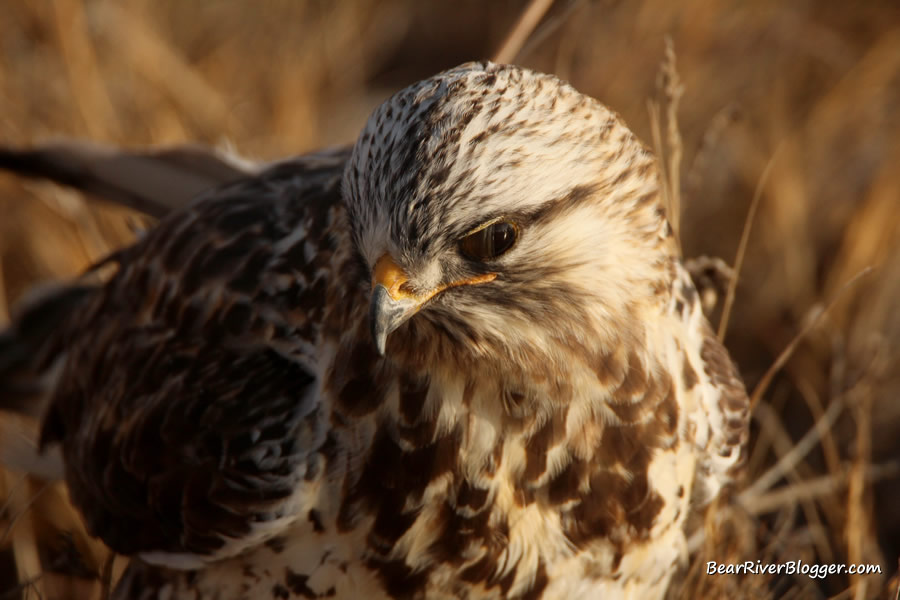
(791, 108)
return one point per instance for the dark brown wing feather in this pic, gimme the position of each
(181, 456)
(32, 343)
(153, 182)
(185, 406)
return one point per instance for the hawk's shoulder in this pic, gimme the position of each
(187, 405)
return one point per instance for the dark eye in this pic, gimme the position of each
(489, 242)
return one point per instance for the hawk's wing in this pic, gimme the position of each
(154, 182)
(721, 424)
(187, 405)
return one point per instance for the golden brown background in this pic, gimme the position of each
(810, 88)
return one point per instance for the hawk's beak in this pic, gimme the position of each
(392, 304)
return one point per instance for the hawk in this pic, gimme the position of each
(461, 360)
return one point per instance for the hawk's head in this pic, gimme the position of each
(505, 211)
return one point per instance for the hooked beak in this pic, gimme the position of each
(392, 304)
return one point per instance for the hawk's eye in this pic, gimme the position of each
(489, 242)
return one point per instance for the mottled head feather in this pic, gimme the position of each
(484, 141)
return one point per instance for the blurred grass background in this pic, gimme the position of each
(810, 88)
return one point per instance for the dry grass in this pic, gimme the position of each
(817, 81)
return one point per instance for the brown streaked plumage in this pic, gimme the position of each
(538, 412)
